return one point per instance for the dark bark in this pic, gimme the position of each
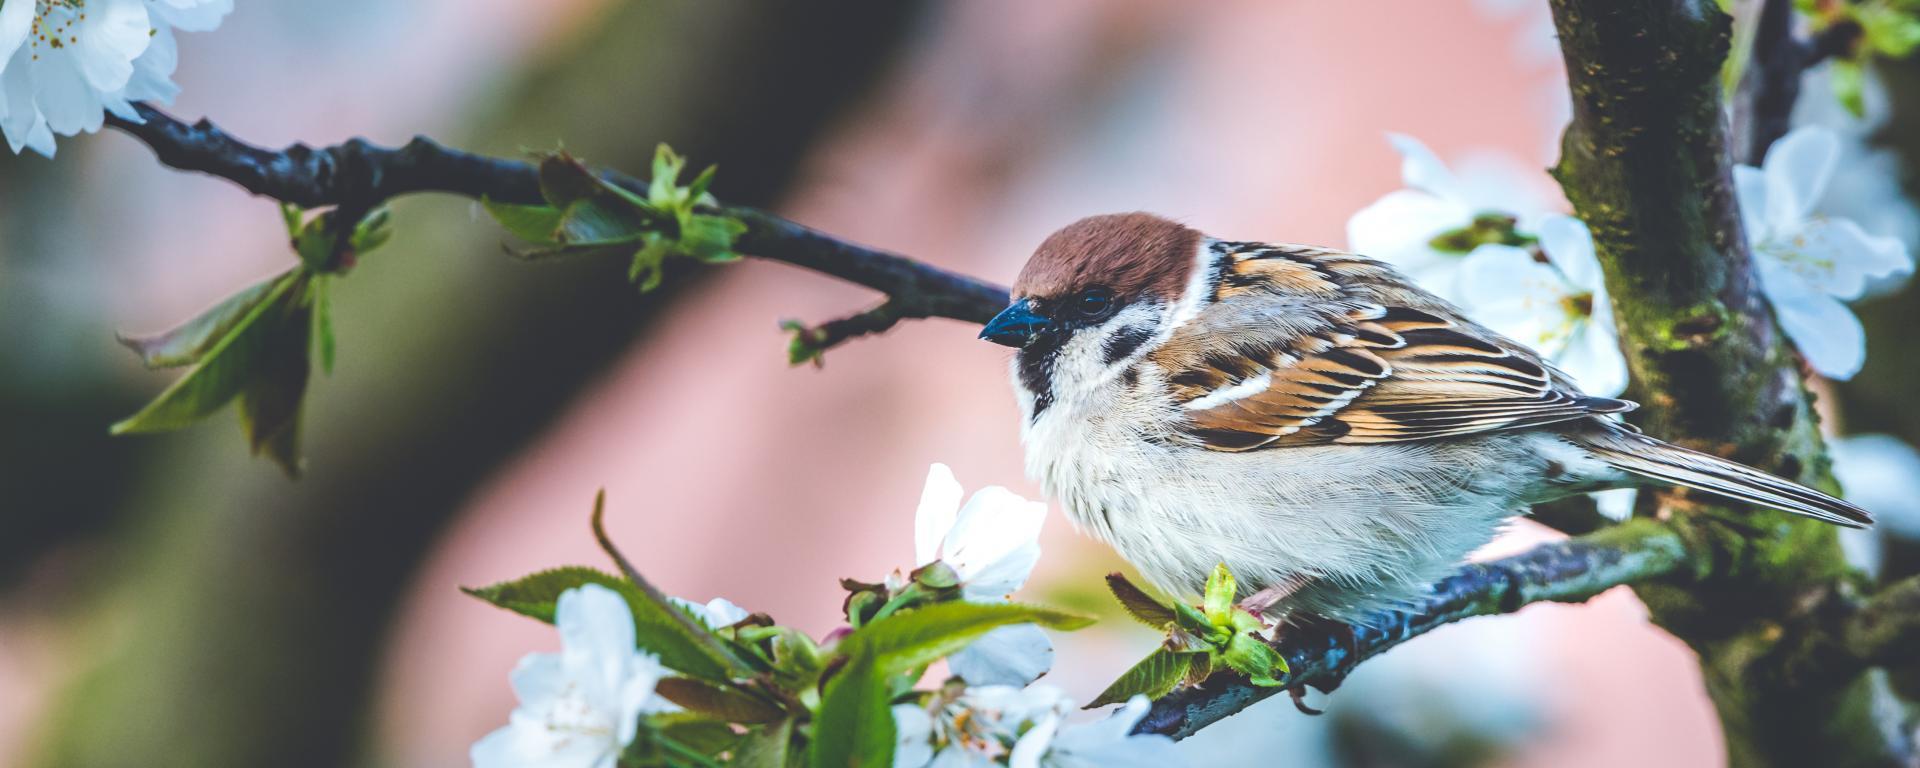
(1646, 164)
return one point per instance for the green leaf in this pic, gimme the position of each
(1140, 605)
(190, 342)
(1249, 656)
(372, 231)
(928, 633)
(657, 631)
(854, 728)
(766, 747)
(601, 220)
(532, 223)
(664, 187)
(276, 384)
(225, 367)
(648, 262)
(1221, 588)
(322, 293)
(1848, 81)
(697, 733)
(1155, 676)
(719, 702)
(564, 180)
(710, 238)
(291, 215)
(315, 242)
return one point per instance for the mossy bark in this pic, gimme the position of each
(1646, 164)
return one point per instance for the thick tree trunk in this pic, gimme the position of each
(1646, 164)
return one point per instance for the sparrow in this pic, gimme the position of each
(1338, 437)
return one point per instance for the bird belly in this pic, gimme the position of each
(1344, 530)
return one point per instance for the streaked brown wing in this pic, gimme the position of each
(1379, 374)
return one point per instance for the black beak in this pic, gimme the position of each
(1014, 326)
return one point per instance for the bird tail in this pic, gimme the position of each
(1641, 455)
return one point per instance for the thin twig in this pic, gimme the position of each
(1323, 655)
(359, 173)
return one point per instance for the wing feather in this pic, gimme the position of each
(1389, 363)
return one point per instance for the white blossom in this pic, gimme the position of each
(1400, 227)
(1024, 728)
(65, 63)
(1881, 473)
(1558, 307)
(717, 613)
(992, 543)
(1809, 264)
(580, 706)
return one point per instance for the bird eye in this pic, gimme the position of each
(1094, 302)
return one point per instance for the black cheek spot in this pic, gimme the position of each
(1124, 343)
(1035, 363)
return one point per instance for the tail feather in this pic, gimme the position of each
(1647, 457)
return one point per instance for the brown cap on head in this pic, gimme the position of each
(1130, 253)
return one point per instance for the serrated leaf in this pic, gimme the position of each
(1140, 605)
(291, 215)
(1221, 589)
(926, 634)
(536, 596)
(1191, 619)
(698, 188)
(1199, 668)
(1155, 676)
(1254, 659)
(719, 702)
(854, 728)
(767, 747)
(532, 223)
(188, 343)
(322, 293)
(223, 370)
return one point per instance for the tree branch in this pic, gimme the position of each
(359, 173)
(1322, 655)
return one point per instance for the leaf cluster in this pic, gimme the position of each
(586, 215)
(1199, 639)
(258, 346)
(759, 694)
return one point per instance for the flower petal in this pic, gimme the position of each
(1503, 288)
(1838, 258)
(1823, 329)
(1569, 246)
(1616, 504)
(994, 543)
(1034, 744)
(1593, 358)
(1108, 743)
(1398, 227)
(1013, 656)
(913, 736)
(939, 506)
(1750, 191)
(109, 36)
(1422, 170)
(16, 20)
(1797, 169)
(596, 630)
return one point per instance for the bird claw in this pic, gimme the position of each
(1299, 694)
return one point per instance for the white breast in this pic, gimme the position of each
(1354, 528)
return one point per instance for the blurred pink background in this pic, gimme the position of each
(730, 474)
